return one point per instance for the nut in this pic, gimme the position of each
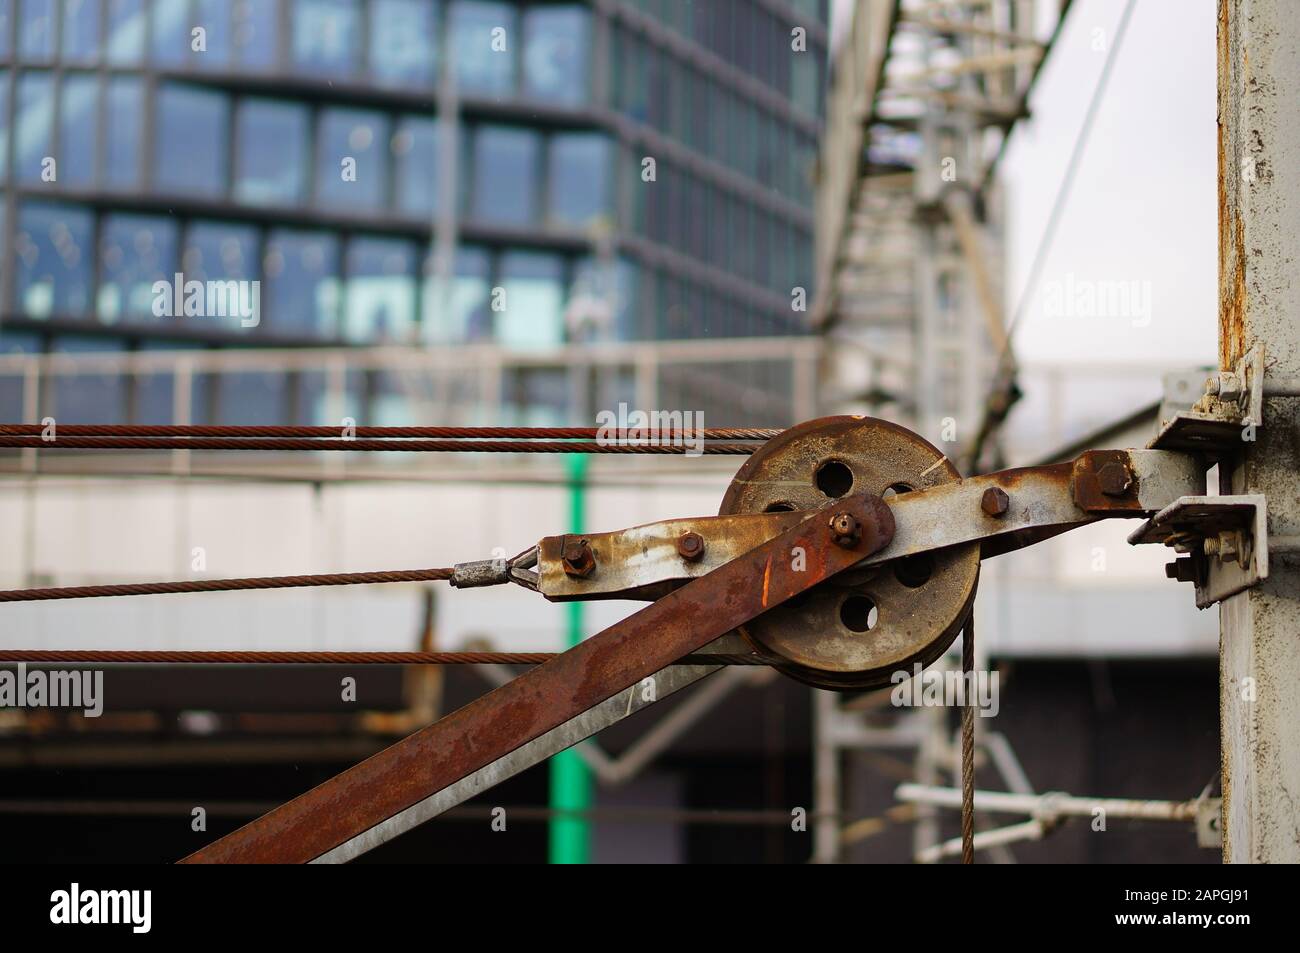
(1114, 478)
(578, 559)
(690, 546)
(995, 501)
(845, 530)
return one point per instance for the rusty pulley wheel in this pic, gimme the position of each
(856, 630)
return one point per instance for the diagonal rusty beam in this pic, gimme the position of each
(496, 724)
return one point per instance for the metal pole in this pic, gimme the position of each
(1259, 300)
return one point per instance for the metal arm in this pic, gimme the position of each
(1002, 511)
(547, 697)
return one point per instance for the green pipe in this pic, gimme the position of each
(571, 786)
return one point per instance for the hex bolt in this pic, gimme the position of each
(1181, 569)
(578, 559)
(690, 546)
(845, 530)
(1114, 478)
(995, 501)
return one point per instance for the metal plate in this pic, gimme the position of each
(920, 603)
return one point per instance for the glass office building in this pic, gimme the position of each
(297, 144)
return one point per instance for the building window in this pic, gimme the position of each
(505, 175)
(458, 310)
(257, 32)
(33, 126)
(221, 251)
(214, 16)
(122, 132)
(190, 148)
(533, 315)
(603, 301)
(89, 398)
(6, 9)
(134, 252)
(153, 397)
(4, 122)
(404, 42)
(534, 397)
(80, 31)
(415, 155)
(12, 403)
(272, 151)
(631, 66)
(301, 296)
(484, 37)
(36, 30)
(171, 32)
(350, 170)
(379, 306)
(580, 171)
(252, 398)
(325, 36)
(78, 121)
(556, 41)
(52, 260)
(124, 38)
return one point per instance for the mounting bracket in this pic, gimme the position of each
(1215, 424)
(1225, 539)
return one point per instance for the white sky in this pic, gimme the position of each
(1143, 206)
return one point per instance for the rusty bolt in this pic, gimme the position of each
(1114, 478)
(845, 530)
(579, 561)
(1181, 569)
(995, 501)
(690, 546)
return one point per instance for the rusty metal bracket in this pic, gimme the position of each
(549, 696)
(1232, 403)
(1225, 539)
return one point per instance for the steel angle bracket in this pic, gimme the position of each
(1214, 425)
(356, 803)
(1225, 539)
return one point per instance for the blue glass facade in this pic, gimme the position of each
(297, 143)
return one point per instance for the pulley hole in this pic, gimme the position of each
(859, 614)
(914, 571)
(896, 488)
(834, 479)
(779, 507)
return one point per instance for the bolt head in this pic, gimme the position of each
(995, 501)
(577, 557)
(1114, 479)
(845, 530)
(1181, 569)
(690, 546)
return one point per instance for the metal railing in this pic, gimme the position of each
(767, 382)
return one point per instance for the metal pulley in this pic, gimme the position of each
(859, 627)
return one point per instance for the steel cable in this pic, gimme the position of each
(151, 657)
(968, 744)
(225, 585)
(442, 433)
(386, 445)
